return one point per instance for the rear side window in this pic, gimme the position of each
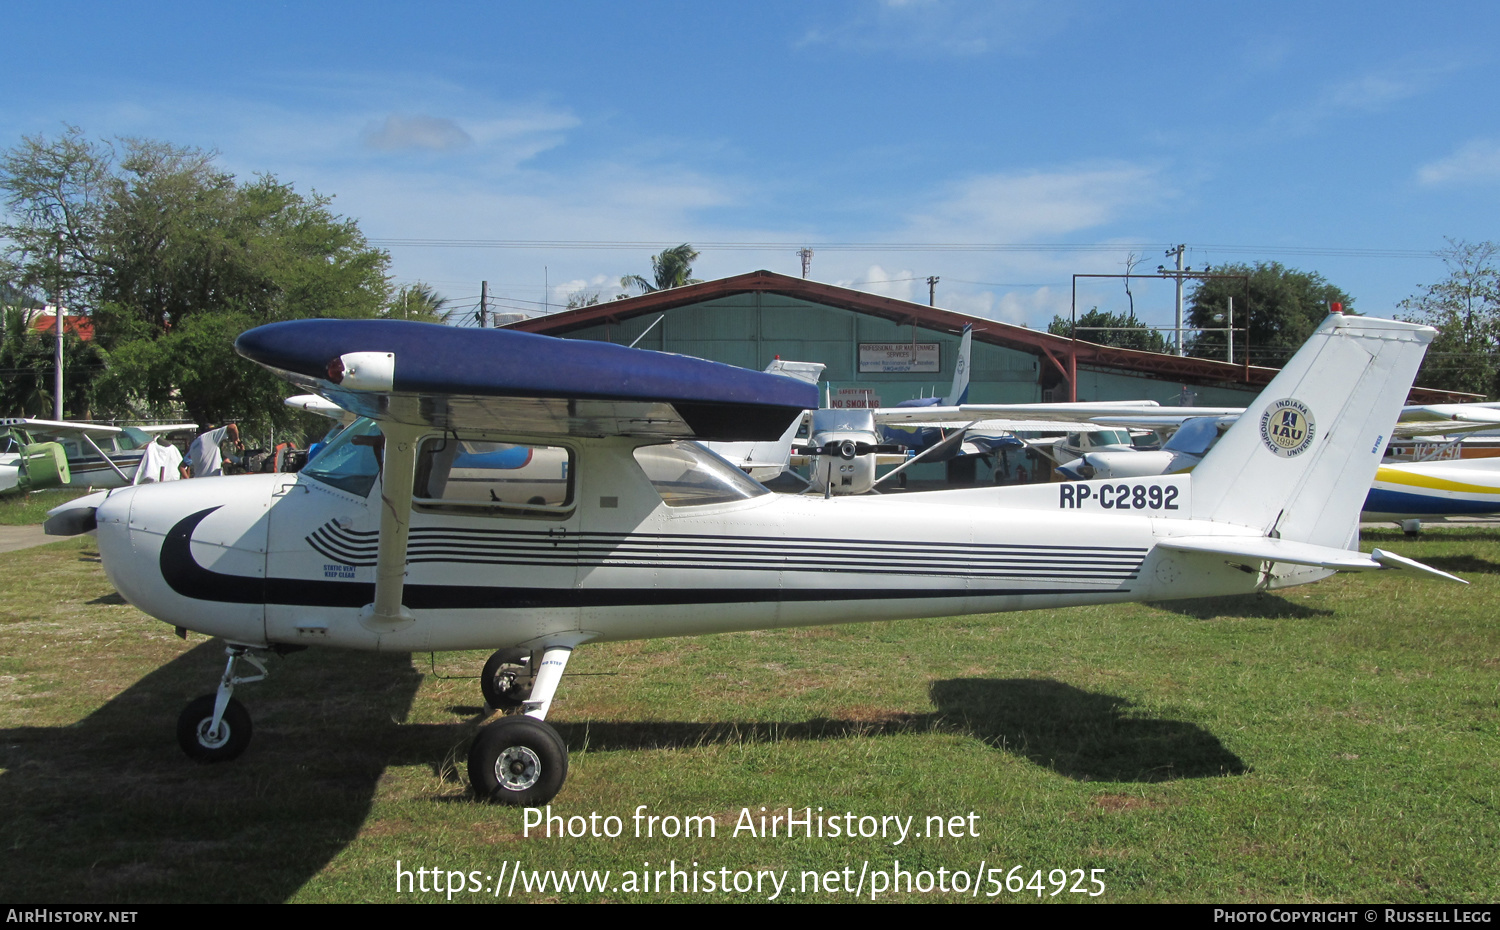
(473, 473)
(686, 474)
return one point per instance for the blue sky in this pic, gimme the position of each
(1344, 138)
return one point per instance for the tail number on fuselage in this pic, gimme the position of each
(1124, 496)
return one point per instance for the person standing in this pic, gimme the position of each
(160, 461)
(204, 458)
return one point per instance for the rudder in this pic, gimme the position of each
(1298, 463)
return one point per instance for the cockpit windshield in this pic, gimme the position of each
(132, 438)
(1195, 436)
(687, 475)
(346, 463)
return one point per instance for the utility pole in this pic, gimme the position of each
(484, 304)
(57, 306)
(806, 255)
(1230, 357)
(932, 290)
(1179, 274)
(1180, 251)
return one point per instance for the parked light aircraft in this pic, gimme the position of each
(652, 535)
(764, 461)
(40, 454)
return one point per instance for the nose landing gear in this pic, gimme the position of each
(216, 727)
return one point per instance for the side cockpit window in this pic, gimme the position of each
(474, 474)
(349, 463)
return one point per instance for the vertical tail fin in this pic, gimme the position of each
(1299, 462)
(959, 392)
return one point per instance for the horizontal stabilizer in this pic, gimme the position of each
(1265, 549)
(1392, 560)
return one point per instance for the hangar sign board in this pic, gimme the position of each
(854, 399)
(898, 357)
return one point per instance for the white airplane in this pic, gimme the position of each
(846, 445)
(73, 455)
(764, 461)
(654, 536)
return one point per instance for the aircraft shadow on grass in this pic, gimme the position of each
(109, 809)
(1243, 607)
(1079, 734)
(1464, 564)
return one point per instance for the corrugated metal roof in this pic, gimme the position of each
(1060, 351)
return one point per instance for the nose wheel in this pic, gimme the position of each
(216, 727)
(206, 741)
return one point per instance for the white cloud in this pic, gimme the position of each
(901, 285)
(1474, 162)
(958, 28)
(1371, 92)
(1022, 207)
(417, 131)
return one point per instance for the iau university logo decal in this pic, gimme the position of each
(1287, 427)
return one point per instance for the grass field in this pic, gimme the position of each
(28, 509)
(1336, 742)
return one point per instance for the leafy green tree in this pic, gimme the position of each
(28, 360)
(1110, 329)
(1285, 306)
(174, 258)
(672, 268)
(1465, 308)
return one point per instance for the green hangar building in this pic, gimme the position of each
(884, 351)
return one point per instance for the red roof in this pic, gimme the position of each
(82, 326)
(1063, 353)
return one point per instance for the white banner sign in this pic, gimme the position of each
(854, 399)
(897, 357)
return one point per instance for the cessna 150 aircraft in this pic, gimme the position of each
(376, 546)
(40, 454)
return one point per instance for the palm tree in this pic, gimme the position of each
(671, 269)
(418, 302)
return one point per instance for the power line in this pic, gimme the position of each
(744, 246)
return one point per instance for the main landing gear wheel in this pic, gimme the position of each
(505, 680)
(198, 738)
(519, 761)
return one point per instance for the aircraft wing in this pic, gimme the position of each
(1155, 423)
(61, 427)
(1011, 426)
(1064, 412)
(1415, 421)
(161, 429)
(313, 403)
(498, 380)
(1432, 413)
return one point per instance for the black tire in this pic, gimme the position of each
(228, 743)
(519, 761)
(505, 679)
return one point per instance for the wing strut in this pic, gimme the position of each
(948, 443)
(397, 471)
(107, 460)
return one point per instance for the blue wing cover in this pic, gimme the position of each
(501, 380)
